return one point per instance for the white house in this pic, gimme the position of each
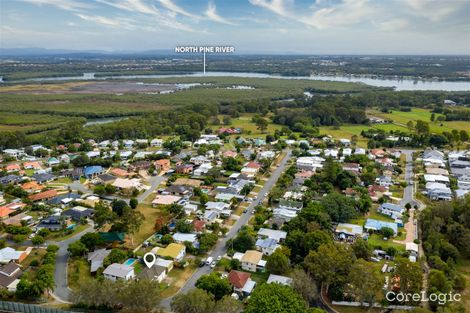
(277, 235)
(252, 261)
(117, 271)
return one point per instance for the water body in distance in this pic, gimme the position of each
(397, 83)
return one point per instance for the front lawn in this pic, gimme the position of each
(376, 241)
(78, 272)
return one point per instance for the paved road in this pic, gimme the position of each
(408, 194)
(154, 182)
(220, 249)
(61, 291)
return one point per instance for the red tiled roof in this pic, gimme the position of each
(253, 165)
(238, 279)
(198, 225)
(12, 167)
(48, 194)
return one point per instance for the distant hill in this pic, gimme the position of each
(28, 52)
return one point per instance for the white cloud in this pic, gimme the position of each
(394, 25)
(348, 12)
(100, 20)
(435, 10)
(68, 5)
(212, 15)
(276, 6)
(138, 6)
(170, 5)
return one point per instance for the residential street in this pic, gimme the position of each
(61, 291)
(220, 248)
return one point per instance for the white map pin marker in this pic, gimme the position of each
(149, 259)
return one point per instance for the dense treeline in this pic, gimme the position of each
(446, 240)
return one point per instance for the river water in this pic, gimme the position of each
(397, 83)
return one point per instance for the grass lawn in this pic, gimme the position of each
(346, 131)
(63, 180)
(249, 129)
(402, 118)
(147, 229)
(29, 172)
(259, 277)
(176, 279)
(376, 240)
(36, 254)
(78, 272)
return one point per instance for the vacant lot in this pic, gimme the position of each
(401, 118)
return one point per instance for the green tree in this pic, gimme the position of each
(37, 240)
(242, 242)
(330, 264)
(91, 240)
(275, 298)
(119, 206)
(387, 232)
(304, 285)
(361, 249)
(364, 281)
(77, 248)
(277, 263)
(411, 275)
(215, 285)
(194, 301)
(133, 203)
(115, 256)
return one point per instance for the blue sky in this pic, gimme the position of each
(272, 26)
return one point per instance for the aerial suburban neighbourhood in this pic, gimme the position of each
(249, 156)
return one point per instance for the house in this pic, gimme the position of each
(165, 200)
(52, 223)
(352, 167)
(157, 142)
(156, 272)
(190, 208)
(45, 195)
(105, 179)
(210, 217)
(184, 169)
(162, 165)
(203, 169)
(252, 261)
(78, 213)
(309, 163)
(230, 154)
(10, 168)
(96, 259)
(125, 184)
(278, 279)
(10, 179)
(392, 210)
(92, 171)
(199, 160)
(53, 161)
(13, 153)
(217, 206)
(267, 155)
(32, 165)
(199, 226)
(376, 225)
(277, 235)
(432, 178)
(117, 271)
(413, 250)
(31, 187)
(8, 255)
(179, 190)
(284, 214)
(345, 142)
(120, 172)
(174, 251)
(385, 181)
(9, 276)
(64, 199)
(167, 264)
(438, 191)
(348, 232)
(267, 245)
(241, 282)
(43, 177)
(183, 237)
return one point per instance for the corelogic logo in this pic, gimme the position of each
(441, 298)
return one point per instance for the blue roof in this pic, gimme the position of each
(392, 207)
(266, 243)
(90, 170)
(378, 225)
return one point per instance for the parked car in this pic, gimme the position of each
(213, 264)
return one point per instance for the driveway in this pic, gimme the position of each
(220, 248)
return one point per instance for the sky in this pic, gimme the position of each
(251, 26)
